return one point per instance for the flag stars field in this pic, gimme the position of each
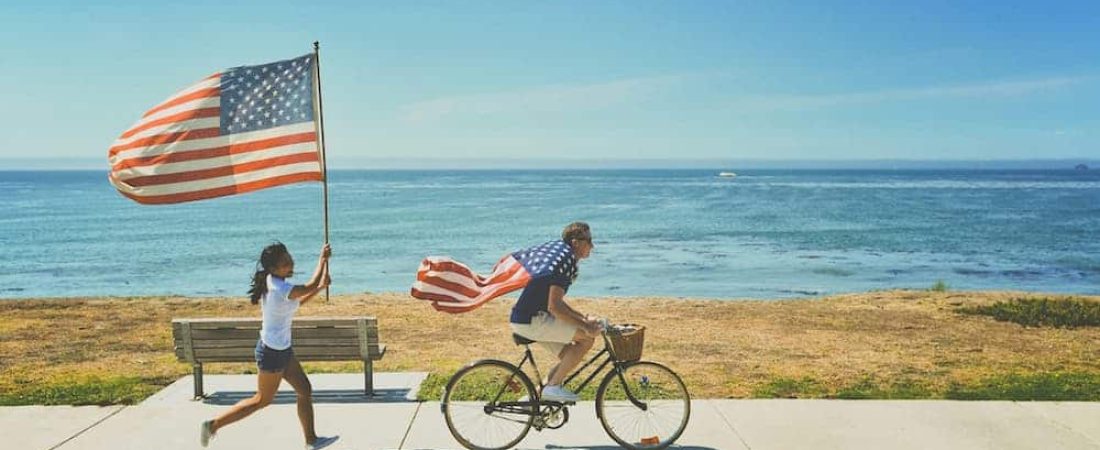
(452, 287)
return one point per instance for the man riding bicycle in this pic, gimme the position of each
(542, 315)
(493, 404)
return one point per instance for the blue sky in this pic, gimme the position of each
(585, 80)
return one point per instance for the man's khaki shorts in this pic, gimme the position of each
(548, 332)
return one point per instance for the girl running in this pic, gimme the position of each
(279, 300)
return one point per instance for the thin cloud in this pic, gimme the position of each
(542, 99)
(979, 90)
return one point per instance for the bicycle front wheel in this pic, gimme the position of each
(489, 405)
(644, 405)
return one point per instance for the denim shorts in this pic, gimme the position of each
(271, 360)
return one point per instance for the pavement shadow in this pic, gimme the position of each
(229, 398)
(593, 447)
(605, 447)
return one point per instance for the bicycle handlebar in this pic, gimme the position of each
(605, 324)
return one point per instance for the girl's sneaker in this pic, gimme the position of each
(206, 433)
(322, 442)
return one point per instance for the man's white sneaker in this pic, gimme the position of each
(322, 442)
(206, 433)
(558, 394)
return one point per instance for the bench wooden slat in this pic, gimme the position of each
(210, 354)
(343, 319)
(251, 343)
(300, 352)
(339, 336)
(375, 353)
(213, 323)
(296, 333)
(251, 360)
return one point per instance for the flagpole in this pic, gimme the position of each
(321, 141)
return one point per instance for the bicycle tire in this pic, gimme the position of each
(457, 393)
(671, 396)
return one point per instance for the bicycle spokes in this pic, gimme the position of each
(644, 406)
(489, 406)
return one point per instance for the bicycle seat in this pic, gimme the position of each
(520, 340)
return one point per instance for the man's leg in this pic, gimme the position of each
(570, 357)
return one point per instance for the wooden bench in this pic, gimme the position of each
(200, 341)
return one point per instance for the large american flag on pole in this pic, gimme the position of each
(239, 130)
(452, 287)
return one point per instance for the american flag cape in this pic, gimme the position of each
(452, 287)
(239, 130)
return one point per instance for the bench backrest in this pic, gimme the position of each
(315, 339)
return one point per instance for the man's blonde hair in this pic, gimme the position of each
(576, 231)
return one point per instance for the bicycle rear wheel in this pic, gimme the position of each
(649, 411)
(489, 405)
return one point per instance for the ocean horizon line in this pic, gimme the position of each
(413, 164)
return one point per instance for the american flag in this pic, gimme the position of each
(240, 130)
(452, 287)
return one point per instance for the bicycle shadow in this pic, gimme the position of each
(605, 447)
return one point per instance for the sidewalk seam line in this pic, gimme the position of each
(714, 404)
(108, 416)
(1051, 420)
(411, 422)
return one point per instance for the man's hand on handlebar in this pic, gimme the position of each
(592, 326)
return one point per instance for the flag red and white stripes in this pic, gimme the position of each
(452, 287)
(240, 130)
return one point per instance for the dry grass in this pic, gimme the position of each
(721, 348)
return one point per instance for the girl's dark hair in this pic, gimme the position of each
(271, 256)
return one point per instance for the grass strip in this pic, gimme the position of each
(1042, 312)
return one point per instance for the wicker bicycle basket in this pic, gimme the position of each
(627, 344)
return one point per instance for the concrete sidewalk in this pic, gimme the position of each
(393, 420)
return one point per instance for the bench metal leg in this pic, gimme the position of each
(196, 370)
(368, 376)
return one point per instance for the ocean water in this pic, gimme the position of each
(763, 234)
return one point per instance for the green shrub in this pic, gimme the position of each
(790, 388)
(868, 388)
(1052, 386)
(431, 389)
(940, 286)
(1037, 312)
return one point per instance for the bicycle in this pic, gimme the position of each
(492, 404)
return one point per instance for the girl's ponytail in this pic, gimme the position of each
(259, 286)
(271, 256)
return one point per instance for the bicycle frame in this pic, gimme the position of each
(617, 367)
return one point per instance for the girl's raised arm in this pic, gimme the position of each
(302, 292)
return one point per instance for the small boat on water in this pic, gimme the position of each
(727, 174)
